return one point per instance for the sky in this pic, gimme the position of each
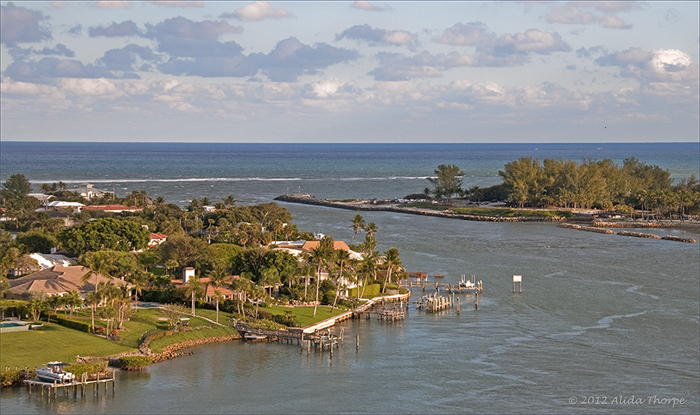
(335, 71)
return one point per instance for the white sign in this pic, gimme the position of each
(517, 278)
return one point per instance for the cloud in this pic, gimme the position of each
(286, 63)
(470, 34)
(113, 5)
(59, 50)
(365, 5)
(588, 13)
(260, 10)
(291, 59)
(123, 59)
(533, 40)
(377, 37)
(75, 30)
(21, 25)
(123, 29)
(181, 37)
(55, 68)
(659, 65)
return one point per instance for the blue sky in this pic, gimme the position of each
(189, 71)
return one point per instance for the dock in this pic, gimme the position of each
(77, 385)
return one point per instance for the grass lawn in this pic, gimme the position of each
(36, 347)
(158, 345)
(304, 315)
(224, 318)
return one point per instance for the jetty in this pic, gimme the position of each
(391, 207)
(77, 385)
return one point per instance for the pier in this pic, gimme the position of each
(77, 385)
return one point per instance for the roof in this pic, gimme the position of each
(158, 236)
(309, 245)
(48, 261)
(61, 203)
(113, 208)
(59, 279)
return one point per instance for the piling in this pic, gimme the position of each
(476, 300)
(357, 343)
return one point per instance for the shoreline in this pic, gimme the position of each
(393, 207)
(312, 200)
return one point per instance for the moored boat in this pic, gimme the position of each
(53, 371)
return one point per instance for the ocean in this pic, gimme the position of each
(604, 324)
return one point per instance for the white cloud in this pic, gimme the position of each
(260, 10)
(365, 5)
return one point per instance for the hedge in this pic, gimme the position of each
(72, 324)
(90, 368)
(134, 362)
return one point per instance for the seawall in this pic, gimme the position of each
(311, 200)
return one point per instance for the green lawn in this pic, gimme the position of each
(224, 318)
(158, 345)
(36, 347)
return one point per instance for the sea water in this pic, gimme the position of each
(604, 323)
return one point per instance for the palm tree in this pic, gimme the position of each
(195, 290)
(229, 201)
(341, 259)
(320, 256)
(217, 276)
(93, 299)
(243, 285)
(357, 223)
(73, 299)
(391, 262)
(368, 268)
(99, 263)
(371, 229)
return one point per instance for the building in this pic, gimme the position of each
(113, 208)
(89, 192)
(58, 280)
(157, 239)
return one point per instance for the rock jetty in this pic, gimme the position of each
(366, 206)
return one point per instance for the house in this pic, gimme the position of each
(48, 261)
(112, 208)
(157, 239)
(58, 280)
(209, 288)
(43, 198)
(89, 192)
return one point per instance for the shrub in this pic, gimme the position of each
(11, 377)
(72, 324)
(134, 362)
(114, 332)
(90, 368)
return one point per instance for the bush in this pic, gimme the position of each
(134, 362)
(90, 368)
(11, 377)
(72, 324)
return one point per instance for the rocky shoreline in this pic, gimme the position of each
(312, 200)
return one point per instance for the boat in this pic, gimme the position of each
(53, 371)
(465, 284)
(439, 276)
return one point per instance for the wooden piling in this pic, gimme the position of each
(476, 300)
(357, 343)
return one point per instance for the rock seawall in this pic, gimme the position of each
(311, 200)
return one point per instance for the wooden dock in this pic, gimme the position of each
(78, 385)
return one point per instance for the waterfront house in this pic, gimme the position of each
(89, 192)
(58, 280)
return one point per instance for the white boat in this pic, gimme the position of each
(53, 371)
(468, 285)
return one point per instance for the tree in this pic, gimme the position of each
(99, 263)
(391, 262)
(173, 313)
(217, 276)
(37, 240)
(448, 180)
(73, 300)
(371, 229)
(320, 256)
(25, 264)
(195, 289)
(358, 223)
(341, 259)
(92, 299)
(243, 285)
(105, 233)
(17, 186)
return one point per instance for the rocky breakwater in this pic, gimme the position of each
(312, 200)
(586, 228)
(171, 352)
